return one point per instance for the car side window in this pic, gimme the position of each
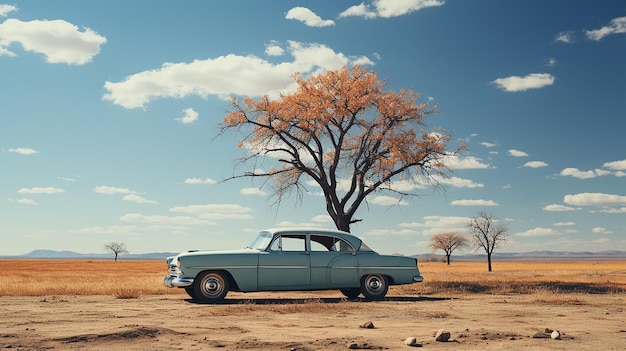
(289, 242)
(329, 243)
(342, 245)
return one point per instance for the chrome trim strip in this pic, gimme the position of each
(288, 267)
(221, 267)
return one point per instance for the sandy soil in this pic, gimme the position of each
(290, 321)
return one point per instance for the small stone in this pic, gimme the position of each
(410, 341)
(556, 335)
(442, 335)
(368, 325)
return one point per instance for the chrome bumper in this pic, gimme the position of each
(418, 278)
(173, 282)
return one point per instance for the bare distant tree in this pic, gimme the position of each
(486, 234)
(448, 242)
(116, 248)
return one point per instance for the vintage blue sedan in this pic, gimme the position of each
(289, 259)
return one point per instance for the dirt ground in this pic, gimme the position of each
(311, 321)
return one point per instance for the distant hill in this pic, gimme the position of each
(536, 255)
(52, 254)
(512, 256)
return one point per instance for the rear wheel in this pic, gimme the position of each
(351, 293)
(374, 286)
(210, 287)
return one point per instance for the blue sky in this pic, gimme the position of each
(109, 114)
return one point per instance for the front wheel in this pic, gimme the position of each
(190, 291)
(210, 287)
(374, 286)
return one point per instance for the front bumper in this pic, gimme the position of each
(418, 278)
(174, 282)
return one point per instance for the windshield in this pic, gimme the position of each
(261, 241)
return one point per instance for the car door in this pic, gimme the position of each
(285, 264)
(334, 263)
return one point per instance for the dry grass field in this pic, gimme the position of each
(105, 305)
(131, 279)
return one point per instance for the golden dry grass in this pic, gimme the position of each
(553, 282)
(560, 282)
(124, 279)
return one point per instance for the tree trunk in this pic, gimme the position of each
(448, 259)
(489, 261)
(342, 223)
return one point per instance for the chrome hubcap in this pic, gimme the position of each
(212, 286)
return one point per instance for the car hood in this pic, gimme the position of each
(218, 252)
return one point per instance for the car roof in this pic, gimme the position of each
(352, 239)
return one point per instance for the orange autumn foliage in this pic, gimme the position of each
(344, 131)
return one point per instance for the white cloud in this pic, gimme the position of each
(486, 144)
(616, 165)
(110, 190)
(225, 75)
(6, 9)
(24, 201)
(164, 220)
(322, 219)
(274, 49)
(458, 182)
(439, 224)
(531, 81)
(558, 208)
(59, 41)
(576, 173)
(535, 164)
(564, 224)
(567, 37)
(517, 153)
(480, 202)
(617, 25)
(216, 211)
(538, 232)
(388, 8)
(601, 230)
(384, 232)
(387, 201)
(308, 17)
(23, 151)
(138, 199)
(595, 199)
(252, 191)
(200, 181)
(465, 162)
(189, 117)
(40, 190)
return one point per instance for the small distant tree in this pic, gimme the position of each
(486, 234)
(448, 242)
(116, 248)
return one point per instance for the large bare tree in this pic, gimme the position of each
(486, 234)
(116, 248)
(344, 132)
(448, 242)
